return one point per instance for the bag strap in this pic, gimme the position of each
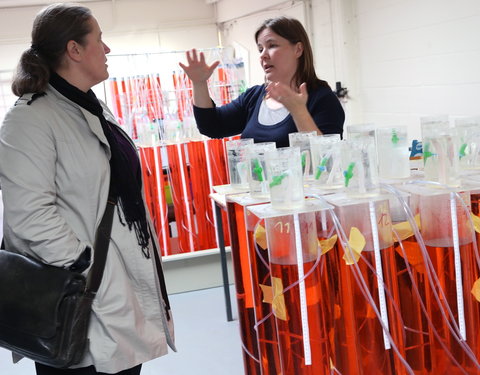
(100, 246)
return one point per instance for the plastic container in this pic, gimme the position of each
(257, 176)
(440, 151)
(468, 133)
(326, 161)
(359, 165)
(302, 140)
(392, 152)
(237, 161)
(284, 174)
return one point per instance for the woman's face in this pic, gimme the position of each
(93, 64)
(278, 57)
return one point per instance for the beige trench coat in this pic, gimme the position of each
(54, 173)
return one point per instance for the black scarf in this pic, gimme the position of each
(125, 183)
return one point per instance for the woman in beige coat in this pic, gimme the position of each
(59, 149)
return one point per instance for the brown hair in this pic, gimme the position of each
(292, 30)
(52, 29)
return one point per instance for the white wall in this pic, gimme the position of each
(400, 59)
(417, 58)
(238, 22)
(129, 26)
(240, 32)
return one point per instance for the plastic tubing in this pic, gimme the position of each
(432, 277)
(362, 285)
(300, 280)
(429, 270)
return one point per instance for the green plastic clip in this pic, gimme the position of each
(277, 180)
(427, 153)
(321, 168)
(462, 150)
(348, 174)
(257, 169)
(395, 138)
(304, 159)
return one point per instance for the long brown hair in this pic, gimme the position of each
(292, 30)
(52, 29)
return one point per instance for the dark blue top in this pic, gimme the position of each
(241, 117)
(129, 152)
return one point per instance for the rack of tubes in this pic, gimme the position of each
(373, 278)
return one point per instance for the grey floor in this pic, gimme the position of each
(206, 342)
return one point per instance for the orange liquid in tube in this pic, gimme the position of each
(290, 326)
(243, 287)
(440, 235)
(359, 346)
(260, 271)
(365, 327)
(443, 262)
(417, 338)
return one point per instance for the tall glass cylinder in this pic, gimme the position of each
(392, 152)
(266, 328)
(284, 174)
(237, 161)
(359, 165)
(257, 176)
(326, 161)
(408, 272)
(302, 140)
(362, 346)
(440, 151)
(243, 286)
(455, 312)
(297, 294)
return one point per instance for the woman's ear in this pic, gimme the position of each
(298, 49)
(73, 50)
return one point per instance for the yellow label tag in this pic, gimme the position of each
(357, 242)
(404, 230)
(411, 250)
(278, 304)
(261, 237)
(476, 290)
(328, 244)
(267, 293)
(476, 222)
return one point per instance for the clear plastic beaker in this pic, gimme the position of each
(237, 161)
(440, 150)
(359, 165)
(302, 140)
(468, 133)
(327, 169)
(284, 174)
(257, 176)
(392, 152)
(356, 131)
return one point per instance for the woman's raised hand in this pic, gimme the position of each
(197, 69)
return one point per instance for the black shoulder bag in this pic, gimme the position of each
(45, 310)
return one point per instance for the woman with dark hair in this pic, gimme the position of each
(292, 99)
(60, 150)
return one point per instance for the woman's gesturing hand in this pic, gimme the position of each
(292, 100)
(197, 69)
